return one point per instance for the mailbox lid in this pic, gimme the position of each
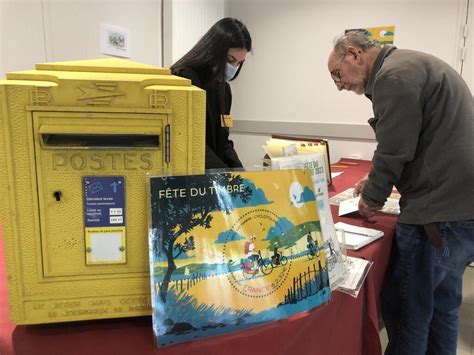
(104, 65)
(71, 146)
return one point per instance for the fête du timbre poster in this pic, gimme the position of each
(229, 251)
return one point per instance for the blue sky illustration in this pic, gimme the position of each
(281, 226)
(258, 197)
(307, 195)
(228, 236)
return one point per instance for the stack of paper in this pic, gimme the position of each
(391, 206)
(292, 145)
(356, 237)
(356, 272)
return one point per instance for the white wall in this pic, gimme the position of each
(186, 22)
(250, 152)
(21, 35)
(36, 31)
(286, 78)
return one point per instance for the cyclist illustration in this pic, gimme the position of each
(249, 249)
(277, 257)
(313, 249)
(331, 249)
(254, 261)
(333, 257)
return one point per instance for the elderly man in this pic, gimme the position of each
(424, 129)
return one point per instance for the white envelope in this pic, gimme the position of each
(348, 206)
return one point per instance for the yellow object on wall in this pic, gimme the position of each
(77, 140)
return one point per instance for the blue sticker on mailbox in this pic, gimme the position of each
(104, 201)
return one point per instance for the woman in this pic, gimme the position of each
(217, 58)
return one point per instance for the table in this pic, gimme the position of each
(345, 325)
(378, 252)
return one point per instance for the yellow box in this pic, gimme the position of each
(77, 140)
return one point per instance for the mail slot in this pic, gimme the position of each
(100, 140)
(77, 142)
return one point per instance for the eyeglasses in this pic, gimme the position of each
(336, 73)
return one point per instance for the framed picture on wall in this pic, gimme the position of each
(115, 41)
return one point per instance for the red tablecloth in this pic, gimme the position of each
(378, 252)
(344, 326)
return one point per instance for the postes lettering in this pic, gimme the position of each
(102, 161)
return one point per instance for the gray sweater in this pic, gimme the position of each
(425, 143)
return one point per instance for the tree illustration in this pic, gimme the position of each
(174, 216)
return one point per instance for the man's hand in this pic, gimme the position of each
(359, 187)
(366, 211)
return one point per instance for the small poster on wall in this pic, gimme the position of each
(115, 40)
(384, 34)
(230, 251)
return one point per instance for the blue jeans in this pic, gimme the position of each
(423, 288)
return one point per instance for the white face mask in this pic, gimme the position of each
(230, 71)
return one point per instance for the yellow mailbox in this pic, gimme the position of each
(77, 140)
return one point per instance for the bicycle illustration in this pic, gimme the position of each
(252, 266)
(313, 248)
(333, 257)
(278, 258)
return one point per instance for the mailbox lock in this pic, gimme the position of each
(57, 195)
(88, 249)
(122, 248)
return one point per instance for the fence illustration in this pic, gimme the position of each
(307, 284)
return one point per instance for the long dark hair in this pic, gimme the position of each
(209, 55)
